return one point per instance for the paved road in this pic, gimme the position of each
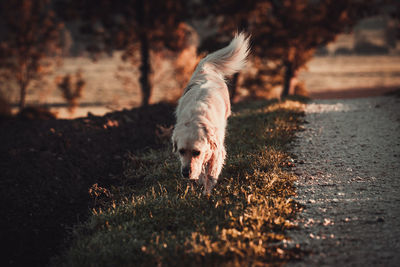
(349, 168)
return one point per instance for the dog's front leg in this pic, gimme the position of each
(202, 178)
(209, 185)
(214, 169)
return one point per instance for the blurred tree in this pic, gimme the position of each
(71, 88)
(289, 31)
(29, 42)
(132, 25)
(230, 17)
(286, 33)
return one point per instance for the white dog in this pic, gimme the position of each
(202, 113)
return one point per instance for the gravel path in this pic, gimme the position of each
(349, 168)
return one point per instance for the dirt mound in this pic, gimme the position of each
(47, 167)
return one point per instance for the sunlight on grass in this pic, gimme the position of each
(156, 217)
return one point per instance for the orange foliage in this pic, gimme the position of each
(31, 41)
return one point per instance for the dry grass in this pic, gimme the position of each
(157, 218)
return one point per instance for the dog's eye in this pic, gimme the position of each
(181, 151)
(195, 153)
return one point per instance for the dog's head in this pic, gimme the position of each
(194, 142)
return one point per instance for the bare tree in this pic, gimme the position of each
(30, 41)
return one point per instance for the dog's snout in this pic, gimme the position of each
(186, 172)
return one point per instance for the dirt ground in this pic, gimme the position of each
(348, 161)
(48, 166)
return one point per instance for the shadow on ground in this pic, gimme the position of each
(47, 167)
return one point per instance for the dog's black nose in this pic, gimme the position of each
(186, 172)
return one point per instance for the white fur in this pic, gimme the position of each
(202, 113)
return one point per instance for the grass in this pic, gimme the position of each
(154, 217)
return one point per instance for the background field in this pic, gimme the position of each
(105, 92)
(345, 72)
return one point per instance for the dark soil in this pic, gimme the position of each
(48, 166)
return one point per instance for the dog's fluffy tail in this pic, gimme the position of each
(227, 60)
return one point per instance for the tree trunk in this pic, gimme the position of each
(22, 95)
(287, 79)
(233, 86)
(145, 69)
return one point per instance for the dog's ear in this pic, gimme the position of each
(211, 135)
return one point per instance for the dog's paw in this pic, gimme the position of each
(202, 179)
(209, 185)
